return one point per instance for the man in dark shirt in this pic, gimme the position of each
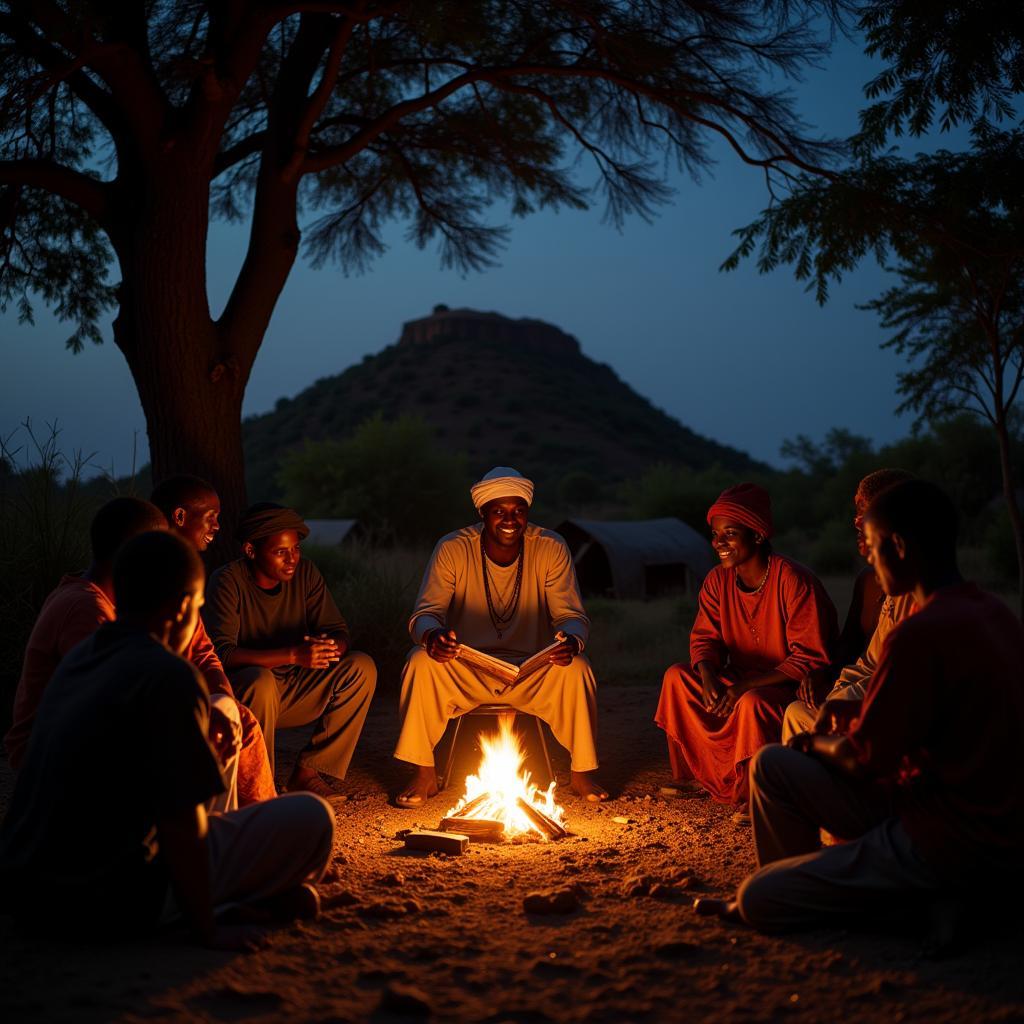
(285, 646)
(922, 778)
(96, 848)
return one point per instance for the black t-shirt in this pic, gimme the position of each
(120, 741)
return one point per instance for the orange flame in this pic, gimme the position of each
(502, 778)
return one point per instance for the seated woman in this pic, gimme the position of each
(763, 623)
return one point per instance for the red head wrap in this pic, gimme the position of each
(746, 504)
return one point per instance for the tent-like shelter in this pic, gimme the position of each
(638, 559)
(328, 532)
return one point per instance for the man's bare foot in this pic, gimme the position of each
(307, 780)
(422, 788)
(586, 786)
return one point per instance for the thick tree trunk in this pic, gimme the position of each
(190, 386)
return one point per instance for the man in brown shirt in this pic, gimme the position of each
(285, 646)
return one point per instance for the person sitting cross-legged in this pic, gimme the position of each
(285, 646)
(923, 778)
(866, 615)
(507, 588)
(88, 847)
(192, 508)
(763, 622)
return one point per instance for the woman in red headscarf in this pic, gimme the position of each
(763, 623)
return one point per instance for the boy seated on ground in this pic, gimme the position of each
(80, 604)
(285, 647)
(923, 779)
(81, 853)
(192, 508)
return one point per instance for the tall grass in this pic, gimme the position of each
(44, 533)
(375, 588)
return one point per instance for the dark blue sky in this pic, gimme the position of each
(744, 359)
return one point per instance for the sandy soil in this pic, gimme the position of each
(409, 936)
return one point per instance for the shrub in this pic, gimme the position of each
(389, 475)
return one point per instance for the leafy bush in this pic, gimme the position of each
(389, 475)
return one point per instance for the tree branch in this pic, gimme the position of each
(90, 195)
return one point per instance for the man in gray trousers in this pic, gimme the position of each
(285, 646)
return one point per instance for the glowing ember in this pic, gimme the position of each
(495, 793)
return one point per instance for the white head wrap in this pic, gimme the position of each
(501, 482)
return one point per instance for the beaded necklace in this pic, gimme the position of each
(764, 579)
(501, 619)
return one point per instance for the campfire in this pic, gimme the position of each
(500, 800)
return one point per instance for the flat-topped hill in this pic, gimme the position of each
(502, 391)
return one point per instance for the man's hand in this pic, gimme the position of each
(566, 650)
(814, 686)
(712, 688)
(441, 644)
(225, 735)
(316, 652)
(836, 717)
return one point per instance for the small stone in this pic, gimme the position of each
(558, 901)
(395, 880)
(661, 891)
(621, 820)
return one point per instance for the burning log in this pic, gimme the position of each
(466, 811)
(475, 828)
(548, 827)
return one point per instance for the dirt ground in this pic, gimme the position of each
(412, 936)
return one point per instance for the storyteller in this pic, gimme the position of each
(763, 623)
(928, 804)
(506, 587)
(285, 646)
(91, 848)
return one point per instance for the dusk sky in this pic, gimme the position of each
(744, 359)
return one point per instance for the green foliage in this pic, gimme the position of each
(956, 63)
(426, 113)
(388, 475)
(667, 490)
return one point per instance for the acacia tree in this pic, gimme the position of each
(125, 125)
(951, 227)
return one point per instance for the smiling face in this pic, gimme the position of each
(275, 558)
(199, 521)
(505, 522)
(734, 543)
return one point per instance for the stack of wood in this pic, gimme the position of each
(483, 829)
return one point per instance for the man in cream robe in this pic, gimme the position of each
(504, 587)
(853, 679)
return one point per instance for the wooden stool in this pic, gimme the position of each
(496, 711)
